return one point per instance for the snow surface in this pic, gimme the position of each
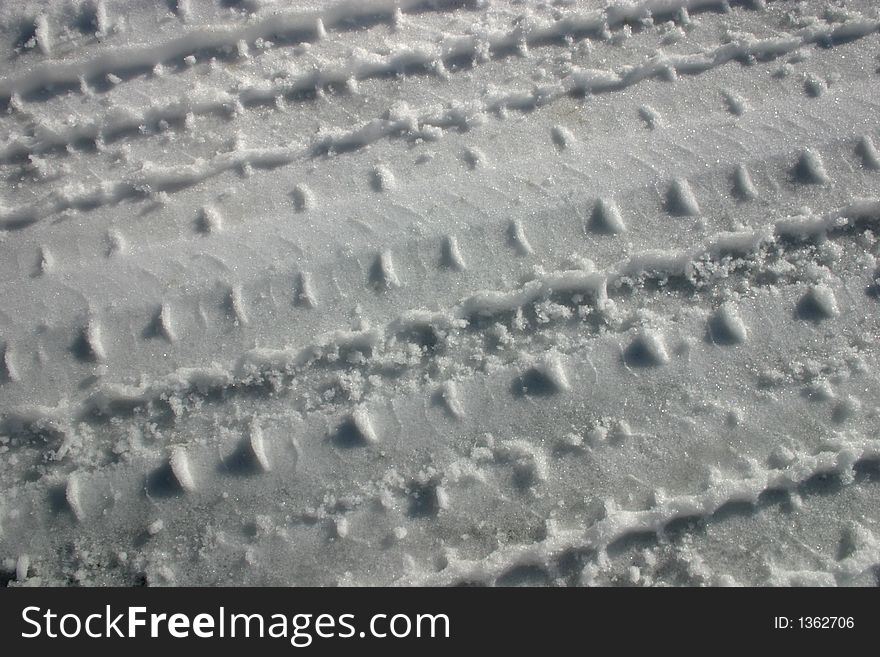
(437, 292)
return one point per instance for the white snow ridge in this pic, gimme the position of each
(441, 292)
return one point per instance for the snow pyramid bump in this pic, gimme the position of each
(680, 199)
(606, 218)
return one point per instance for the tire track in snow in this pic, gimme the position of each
(430, 59)
(413, 125)
(261, 367)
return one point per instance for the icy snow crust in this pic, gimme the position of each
(437, 292)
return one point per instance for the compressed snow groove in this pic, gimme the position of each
(381, 178)
(306, 26)
(646, 347)
(439, 292)
(620, 523)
